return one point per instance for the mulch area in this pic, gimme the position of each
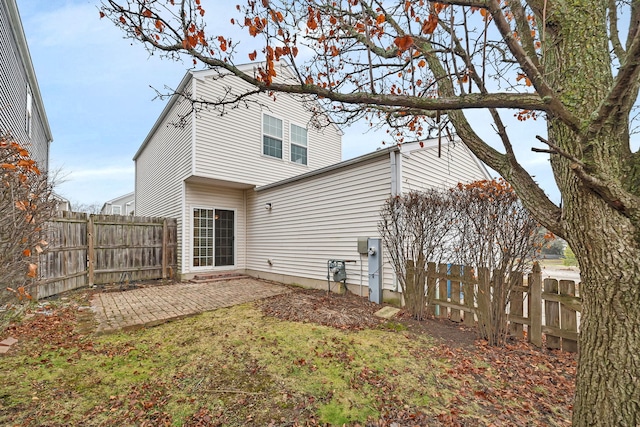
(350, 311)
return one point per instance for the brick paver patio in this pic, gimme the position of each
(155, 305)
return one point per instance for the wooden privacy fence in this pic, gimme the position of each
(84, 250)
(548, 306)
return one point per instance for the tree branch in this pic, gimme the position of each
(620, 97)
(614, 37)
(529, 68)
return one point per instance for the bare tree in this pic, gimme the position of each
(25, 205)
(90, 208)
(420, 65)
(414, 227)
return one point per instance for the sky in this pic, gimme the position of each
(98, 92)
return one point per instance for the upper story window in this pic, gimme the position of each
(29, 111)
(271, 136)
(298, 144)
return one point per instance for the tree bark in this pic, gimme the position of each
(608, 381)
(605, 240)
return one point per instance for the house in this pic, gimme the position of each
(22, 113)
(261, 192)
(123, 205)
(62, 204)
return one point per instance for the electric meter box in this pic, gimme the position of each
(363, 246)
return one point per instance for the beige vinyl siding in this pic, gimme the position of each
(210, 197)
(317, 219)
(229, 146)
(14, 66)
(424, 169)
(161, 168)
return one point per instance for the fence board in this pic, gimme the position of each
(516, 306)
(455, 293)
(442, 290)
(468, 286)
(552, 312)
(535, 305)
(568, 316)
(560, 322)
(99, 249)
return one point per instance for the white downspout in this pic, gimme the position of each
(394, 173)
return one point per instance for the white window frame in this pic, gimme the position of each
(292, 143)
(213, 246)
(115, 208)
(272, 136)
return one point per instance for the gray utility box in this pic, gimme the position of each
(363, 245)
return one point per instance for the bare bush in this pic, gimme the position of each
(496, 235)
(414, 227)
(25, 205)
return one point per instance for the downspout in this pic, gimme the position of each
(396, 189)
(396, 172)
(394, 177)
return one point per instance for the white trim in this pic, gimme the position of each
(291, 143)
(183, 264)
(235, 245)
(262, 135)
(193, 130)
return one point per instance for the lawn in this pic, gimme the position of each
(240, 366)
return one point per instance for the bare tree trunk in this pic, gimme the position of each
(608, 383)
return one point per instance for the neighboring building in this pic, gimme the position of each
(62, 204)
(123, 205)
(259, 191)
(22, 113)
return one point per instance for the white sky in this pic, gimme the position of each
(97, 91)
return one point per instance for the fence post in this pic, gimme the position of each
(442, 290)
(90, 250)
(469, 300)
(430, 283)
(535, 306)
(165, 238)
(484, 300)
(552, 312)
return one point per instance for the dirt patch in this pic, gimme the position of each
(347, 311)
(350, 311)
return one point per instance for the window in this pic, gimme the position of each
(28, 124)
(298, 144)
(213, 237)
(271, 136)
(116, 210)
(202, 237)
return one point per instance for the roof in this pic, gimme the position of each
(23, 53)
